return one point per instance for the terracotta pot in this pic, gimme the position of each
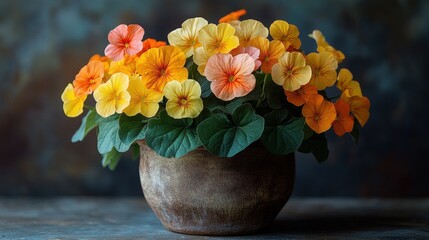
(204, 194)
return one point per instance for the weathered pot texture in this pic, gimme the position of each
(204, 194)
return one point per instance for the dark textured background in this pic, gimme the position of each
(43, 44)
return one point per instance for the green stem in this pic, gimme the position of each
(263, 91)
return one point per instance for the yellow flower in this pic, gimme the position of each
(218, 39)
(323, 67)
(291, 71)
(112, 96)
(73, 104)
(126, 65)
(183, 99)
(324, 46)
(200, 58)
(186, 38)
(286, 33)
(250, 29)
(144, 101)
(161, 65)
(347, 85)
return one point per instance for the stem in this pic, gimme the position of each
(263, 91)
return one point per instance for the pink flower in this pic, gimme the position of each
(231, 77)
(124, 40)
(252, 51)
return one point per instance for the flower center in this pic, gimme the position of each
(231, 78)
(316, 117)
(289, 73)
(183, 101)
(266, 59)
(127, 45)
(316, 72)
(162, 72)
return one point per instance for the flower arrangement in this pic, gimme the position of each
(220, 86)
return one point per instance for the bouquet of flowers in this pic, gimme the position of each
(218, 86)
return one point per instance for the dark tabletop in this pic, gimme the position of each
(131, 218)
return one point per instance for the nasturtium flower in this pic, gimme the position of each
(72, 103)
(252, 51)
(319, 114)
(233, 16)
(230, 76)
(160, 65)
(200, 58)
(124, 40)
(250, 29)
(104, 59)
(270, 52)
(218, 38)
(144, 101)
(291, 71)
(287, 33)
(347, 85)
(323, 68)
(344, 121)
(186, 38)
(324, 46)
(359, 106)
(126, 65)
(89, 77)
(112, 96)
(150, 43)
(302, 95)
(184, 99)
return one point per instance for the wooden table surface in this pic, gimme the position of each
(131, 218)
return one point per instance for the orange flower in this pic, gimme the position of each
(302, 95)
(104, 59)
(89, 77)
(319, 114)
(124, 40)
(161, 65)
(150, 43)
(359, 107)
(270, 52)
(344, 121)
(233, 16)
(231, 77)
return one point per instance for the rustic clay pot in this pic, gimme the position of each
(204, 194)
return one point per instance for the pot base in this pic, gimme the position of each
(203, 194)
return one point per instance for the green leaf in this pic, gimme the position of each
(274, 93)
(308, 132)
(108, 135)
(226, 137)
(171, 137)
(355, 132)
(135, 151)
(203, 116)
(280, 136)
(132, 128)
(88, 123)
(111, 159)
(317, 145)
(231, 106)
